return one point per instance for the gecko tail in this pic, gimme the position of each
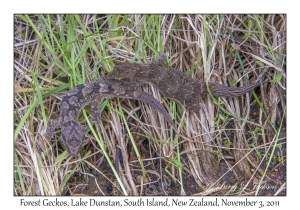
(219, 90)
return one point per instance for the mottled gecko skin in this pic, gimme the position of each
(72, 133)
(124, 82)
(171, 83)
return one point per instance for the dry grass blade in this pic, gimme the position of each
(134, 151)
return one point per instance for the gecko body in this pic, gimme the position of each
(73, 133)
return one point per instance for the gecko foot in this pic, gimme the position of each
(52, 125)
(161, 60)
(95, 117)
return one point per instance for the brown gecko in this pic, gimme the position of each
(171, 83)
(73, 133)
(124, 82)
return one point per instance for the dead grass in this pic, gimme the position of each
(230, 142)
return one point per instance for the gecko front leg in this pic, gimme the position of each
(95, 116)
(52, 125)
(160, 60)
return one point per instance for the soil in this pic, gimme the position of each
(103, 182)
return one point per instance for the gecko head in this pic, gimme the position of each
(72, 137)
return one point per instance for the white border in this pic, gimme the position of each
(154, 6)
